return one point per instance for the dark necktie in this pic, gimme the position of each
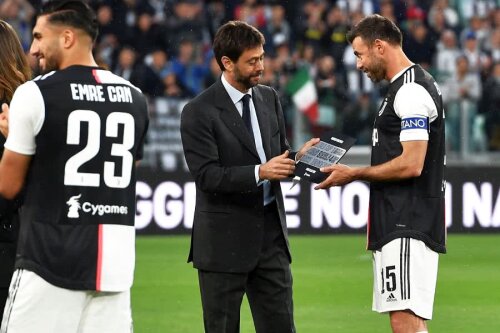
(246, 114)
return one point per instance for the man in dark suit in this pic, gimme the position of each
(234, 142)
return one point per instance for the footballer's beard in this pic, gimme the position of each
(248, 81)
(377, 71)
(48, 64)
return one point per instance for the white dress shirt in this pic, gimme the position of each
(236, 96)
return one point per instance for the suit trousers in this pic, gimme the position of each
(268, 288)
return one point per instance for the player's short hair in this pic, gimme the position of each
(233, 38)
(374, 27)
(74, 13)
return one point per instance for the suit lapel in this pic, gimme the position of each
(232, 119)
(262, 111)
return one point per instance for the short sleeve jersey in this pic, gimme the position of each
(85, 128)
(412, 110)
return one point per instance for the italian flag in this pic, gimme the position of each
(301, 88)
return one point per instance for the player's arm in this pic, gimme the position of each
(407, 165)
(411, 102)
(25, 119)
(13, 169)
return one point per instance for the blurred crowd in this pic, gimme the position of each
(164, 47)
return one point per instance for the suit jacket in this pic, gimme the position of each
(228, 225)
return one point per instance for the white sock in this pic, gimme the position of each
(423, 332)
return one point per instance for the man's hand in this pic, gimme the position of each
(4, 120)
(277, 168)
(305, 148)
(340, 174)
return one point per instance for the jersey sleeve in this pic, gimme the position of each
(26, 116)
(416, 108)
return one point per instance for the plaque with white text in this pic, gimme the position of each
(331, 148)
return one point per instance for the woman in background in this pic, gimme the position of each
(14, 70)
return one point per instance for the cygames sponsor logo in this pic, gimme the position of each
(94, 209)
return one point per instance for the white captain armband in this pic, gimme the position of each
(414, 128)
(415, 123)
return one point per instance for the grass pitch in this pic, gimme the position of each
(332, 286)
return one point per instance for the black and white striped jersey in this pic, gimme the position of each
(85, 128)
(411, 110)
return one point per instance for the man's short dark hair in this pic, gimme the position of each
(375, 27)
(74, 13)
(233, 38)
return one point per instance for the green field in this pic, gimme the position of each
(332, 286)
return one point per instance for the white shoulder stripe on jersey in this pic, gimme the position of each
(44, 76)
(409, 76)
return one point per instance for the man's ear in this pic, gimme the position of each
(228, 63)
(68, 38)
(379, 46)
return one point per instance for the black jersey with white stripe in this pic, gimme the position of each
(411, 110)
(77, 222)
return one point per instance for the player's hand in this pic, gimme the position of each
(306, 147)
(277, 168)
(4, 120)
(340, 174)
